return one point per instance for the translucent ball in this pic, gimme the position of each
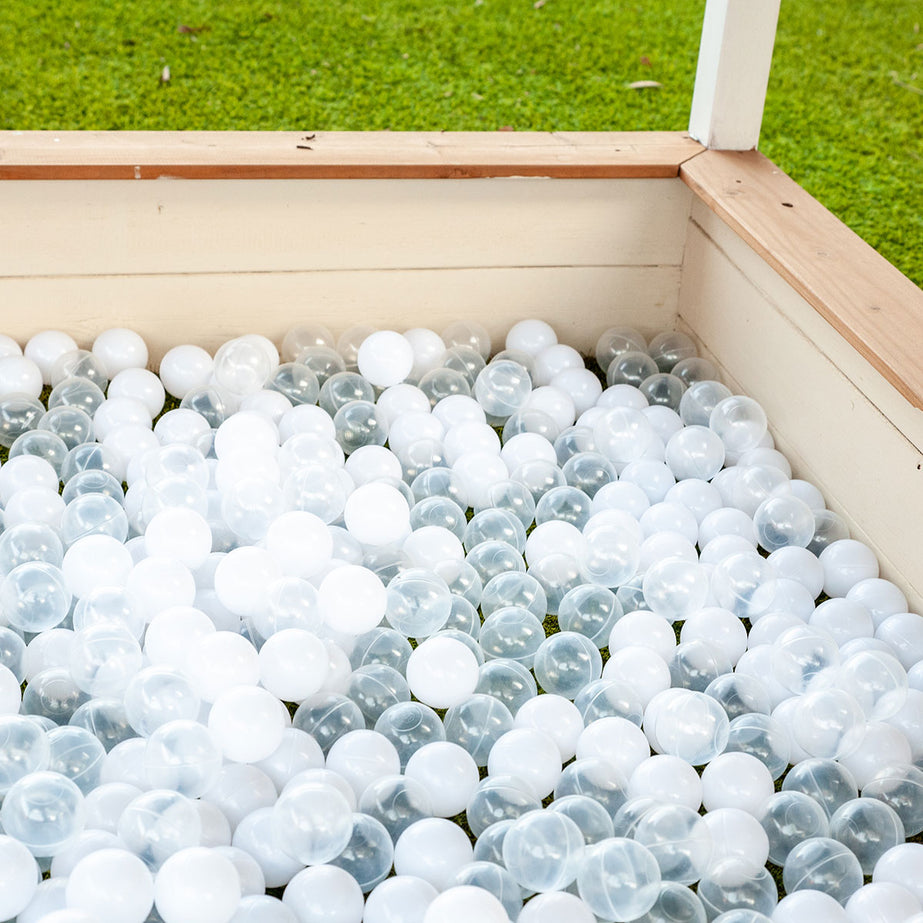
(409, 726)
(368, 855)
(24, 749)
(418, 602)
(312, 822)
(901, 787)
(565, 662)
(869, 828)
(396, 802)
(596, 778)
(45, 811)
(740, 423)
(502, 388)
(828, 723)
(824, 780)
(687, 724)
(543, 851)
(35, 596)
(823, 864)
(763, 737)
(789, 817)
(679, 840)
(76, 754)
(630, 368)
(736, 886)
(619, 878)
(496, 799)
(181, 755)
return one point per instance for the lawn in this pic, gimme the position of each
(844, 114)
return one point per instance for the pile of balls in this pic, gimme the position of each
(394, 628)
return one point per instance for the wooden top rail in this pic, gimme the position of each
(876, 308)
(340, 155)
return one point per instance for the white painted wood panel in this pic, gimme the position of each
(840, 429)
(53, 227)
(732, 75)
(209, 308)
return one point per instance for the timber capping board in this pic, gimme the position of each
(341, 155)
(868, 301)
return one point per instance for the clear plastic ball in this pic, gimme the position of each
(396, 802)
(312, 822)
(734, 886)
(496, 799)
(630, 368)
(869, 828)
(619, 878)
(740, 423)
(687, 724)
(368, 855)
(823, 864)
(512, 633)
(595, 778)
(901, 787)
(826, 781)
(565, 662)
(679, 840)
(35, 596)
(543, 851)
(45, 811)
(409, 726)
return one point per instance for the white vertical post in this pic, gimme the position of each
(733, 72)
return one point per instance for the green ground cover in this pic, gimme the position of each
(844, 114)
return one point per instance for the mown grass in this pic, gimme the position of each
(844, 113)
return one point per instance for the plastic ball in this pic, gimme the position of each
(312, 822)
(679, 840)
(882, 902)
(498, 798)
(113, 883)
(736, 780)
(901, 787)
(529, 754)
(543, 851)
(595, 778)
(822, 864)
(447, 772)
(619, 878)
(19, 877)
(667, 778)
(902, 865)
(687, 724)
(401, 899)
(43, 810)
(735, 886)
(433, 849)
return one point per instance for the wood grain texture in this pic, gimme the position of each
(331, 155)
(87, 227)
(871, 303)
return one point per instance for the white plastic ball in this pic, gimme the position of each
(185, 368)
(112, 884)
(19, 877)
(377, 514)
(447, 772)
(352, 599)
(45, 348)
(463, 903)
(442, 672)
(433, 849)
(385, 358)
(118, 348)
(20, 375)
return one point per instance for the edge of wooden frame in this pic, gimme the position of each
(340, 155)
(866, 299)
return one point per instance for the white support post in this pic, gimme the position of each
(733, 72)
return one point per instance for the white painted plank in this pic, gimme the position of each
(773, 343)
(580, 302)
(118, 226)
(732, 75)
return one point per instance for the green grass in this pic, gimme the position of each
(844, 114)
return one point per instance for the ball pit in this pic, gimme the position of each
(285, 673)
